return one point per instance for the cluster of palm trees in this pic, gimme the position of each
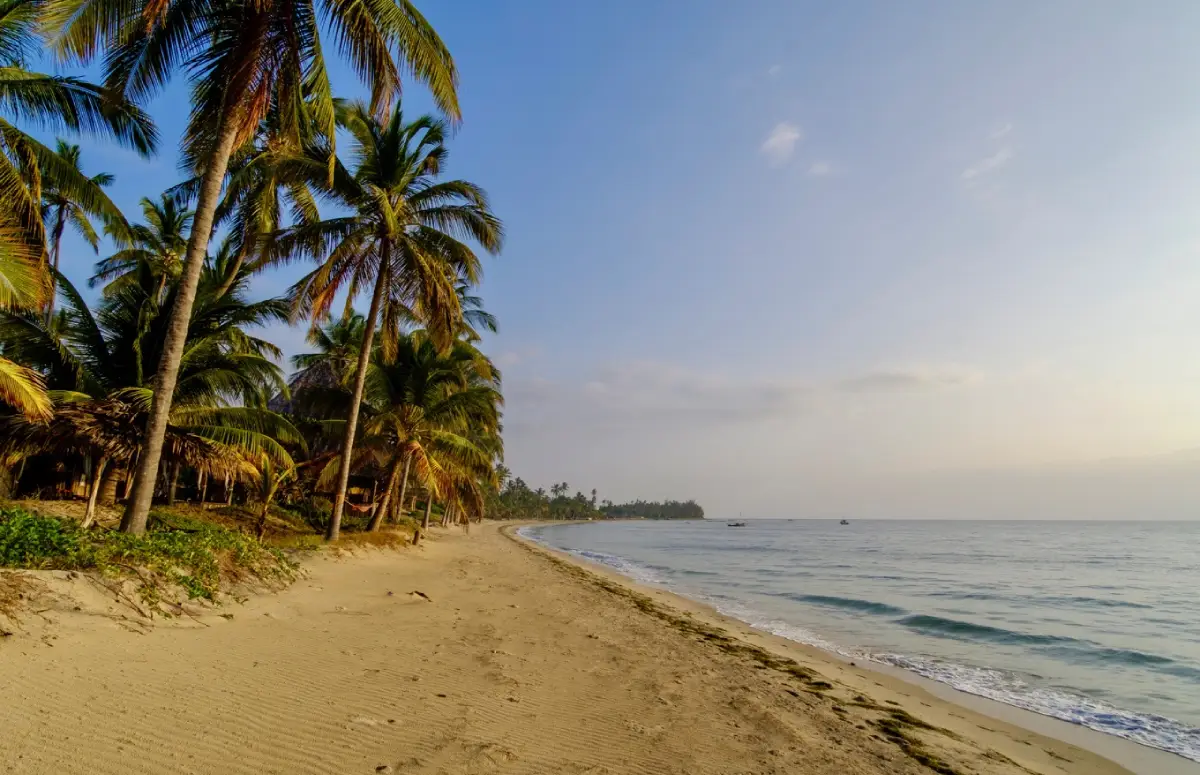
(164, 380)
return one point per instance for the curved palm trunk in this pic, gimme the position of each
(230, 278)
(262, 518)
(382, 507)
(138, 509)
(404, 486)
(360, 382)
(89, 516)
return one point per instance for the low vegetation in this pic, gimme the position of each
(198, 556)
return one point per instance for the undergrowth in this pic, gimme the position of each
(175, 550)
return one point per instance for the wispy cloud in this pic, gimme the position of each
(653, 395)
(645, 394)
(1002, 132)
(820, 169)
(774, 70)
(989, 164)
(781, 143)
(906, 380)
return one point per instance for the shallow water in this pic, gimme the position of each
(1092, 623)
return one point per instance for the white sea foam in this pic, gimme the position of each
(1147, 729)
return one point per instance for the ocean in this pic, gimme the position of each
(1095, 623)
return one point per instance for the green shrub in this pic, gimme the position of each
(32, 541)
(192, 553)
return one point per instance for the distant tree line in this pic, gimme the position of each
(654, 510)
(513, 498)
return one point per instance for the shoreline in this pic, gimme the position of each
(1134, 757)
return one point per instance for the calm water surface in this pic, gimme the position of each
(1093, 623)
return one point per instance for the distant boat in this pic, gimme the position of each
(735, 524)
(844, 522)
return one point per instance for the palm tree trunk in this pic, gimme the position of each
(381, 508)
(424, 528)
(262, 519)
(137, 512)
(360, 382)
(60, 223)
(230, 278)
(228, 490)
(203, 485)
(89, 516)
(404, 485)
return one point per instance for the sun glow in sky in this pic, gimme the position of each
(794, 259)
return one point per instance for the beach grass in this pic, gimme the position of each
(198, 556)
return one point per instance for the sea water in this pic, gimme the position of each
(1093, 623)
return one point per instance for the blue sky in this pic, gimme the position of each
(817, 259)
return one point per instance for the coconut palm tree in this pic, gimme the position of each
(403, 239)
(155, 246)
(243, 58)
(270, 476)
(259, 190)
(62, 207)
(429, 413)
(27, 168)
(332, 365)
(102, 362)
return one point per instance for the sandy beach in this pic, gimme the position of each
(510, 660)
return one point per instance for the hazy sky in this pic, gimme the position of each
(833, 258)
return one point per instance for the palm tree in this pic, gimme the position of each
(61, 207)
(101, 362)
(402, 239)
(475, 318)
(27, 168)
(427, 412)
(270, 476)
(332, 365)
(259, 187)
(155, 247)
(243, 57)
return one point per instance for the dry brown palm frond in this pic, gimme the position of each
(114, 430)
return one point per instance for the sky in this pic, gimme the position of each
(829, 259)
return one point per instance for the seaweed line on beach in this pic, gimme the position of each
(895, 726)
